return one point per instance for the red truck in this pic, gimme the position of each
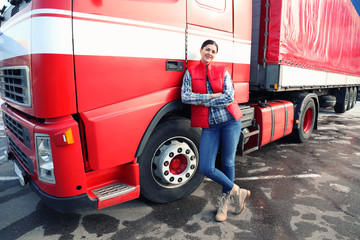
(91, 88)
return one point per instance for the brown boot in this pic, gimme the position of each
(239, 195)
(221, 214)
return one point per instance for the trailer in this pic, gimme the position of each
(91, 89)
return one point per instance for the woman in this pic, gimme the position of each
(209, 90)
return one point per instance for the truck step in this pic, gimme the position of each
(250, 150)
(112, 190)
(256, 133)
(251, 133)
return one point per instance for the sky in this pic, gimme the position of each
(2, 2)
(357, 5)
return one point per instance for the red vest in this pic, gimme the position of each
(216, 74)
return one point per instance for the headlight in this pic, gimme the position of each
(44, 158)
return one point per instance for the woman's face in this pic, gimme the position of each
(208, 53)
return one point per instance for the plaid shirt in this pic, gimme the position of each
(217, 111)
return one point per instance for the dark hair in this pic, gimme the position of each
(211, 42)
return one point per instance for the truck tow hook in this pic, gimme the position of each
(22, 176)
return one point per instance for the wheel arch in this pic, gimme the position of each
(299, 103)
(171, 109)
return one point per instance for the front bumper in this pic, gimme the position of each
(67, 204)
(69, 170)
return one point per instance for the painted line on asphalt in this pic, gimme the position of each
(8, 178)
(310, 175)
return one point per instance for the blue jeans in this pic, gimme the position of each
(228, 133)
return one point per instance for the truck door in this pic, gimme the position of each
(228, 22)
(210, 19)
(121, 51)
(121, 48)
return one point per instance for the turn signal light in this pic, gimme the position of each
(69, 136)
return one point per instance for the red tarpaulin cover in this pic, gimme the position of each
(315, 34)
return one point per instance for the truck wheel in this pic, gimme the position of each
(169, 162)
(307, 121)
(342, 100)
(327, 101)
(351, 98)
(355, 95)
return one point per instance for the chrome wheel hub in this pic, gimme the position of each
(174, 163)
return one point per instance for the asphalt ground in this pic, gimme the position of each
(299, 191)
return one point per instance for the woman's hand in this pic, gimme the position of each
(215, 95)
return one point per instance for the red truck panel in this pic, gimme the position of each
(63, 5)
(103, 81)
(121, 48)
(114, 132)
(51, 71)
(53, 82)
(321, 35)
(171, 12)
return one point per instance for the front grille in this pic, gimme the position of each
(18, 130)
(15, 85)
(21, 156)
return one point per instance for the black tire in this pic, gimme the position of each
(342, 100)
(307, 121)
(351, 98)
(327, 101)
(355, 95)
(172, 147)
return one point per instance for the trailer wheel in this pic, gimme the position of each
(169, 163)
(342, 100)
(355, 95)
(307, 121)
(351, 98)
(327, 101)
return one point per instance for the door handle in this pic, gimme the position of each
(174, 65)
